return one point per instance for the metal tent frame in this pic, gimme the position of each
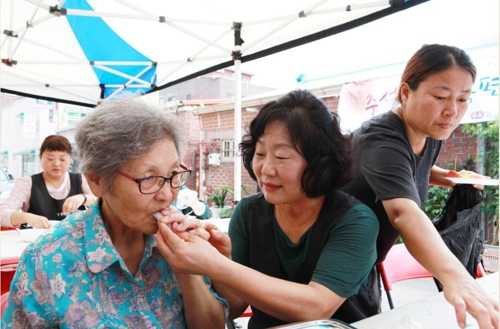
(82, 51)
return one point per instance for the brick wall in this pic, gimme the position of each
(457, 151)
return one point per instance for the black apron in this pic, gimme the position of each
(41, 203)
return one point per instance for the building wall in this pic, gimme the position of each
(217, 85)
(213, 128)
(458, 150)
(25, 124)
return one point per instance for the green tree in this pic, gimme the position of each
(436, 200)
(437, 196)
(489, 157)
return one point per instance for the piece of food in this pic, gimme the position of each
(453, 174)
(464, 174)
(158, 215)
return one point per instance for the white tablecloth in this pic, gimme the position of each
(433, 312)
(11, 244)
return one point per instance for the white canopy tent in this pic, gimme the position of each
(79, 52)
(82, 51)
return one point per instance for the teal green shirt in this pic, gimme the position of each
(346, 260)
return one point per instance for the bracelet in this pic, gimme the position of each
(84, 200)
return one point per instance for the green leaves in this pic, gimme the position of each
(221, 196)
(436, 200)
(488, 131)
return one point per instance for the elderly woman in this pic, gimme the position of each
(301, 247)
(101, 268)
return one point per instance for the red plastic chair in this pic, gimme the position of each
(248, 312)
(399, 265)
(8, 268)
(3, 301)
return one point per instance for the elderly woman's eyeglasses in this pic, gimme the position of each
(153, 184)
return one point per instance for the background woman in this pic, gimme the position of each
(301, 247)
(395, 156)
(101, 268)
(51, 194)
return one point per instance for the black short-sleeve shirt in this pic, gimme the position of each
(385, 167)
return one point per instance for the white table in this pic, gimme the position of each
(222, 223)
(433, 312)
(11, 244)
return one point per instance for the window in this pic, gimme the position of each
(227, 150)
(74, 115)
(4, 160)
(28, 163)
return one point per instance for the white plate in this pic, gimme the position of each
(474, 181)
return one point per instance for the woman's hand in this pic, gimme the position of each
(37, 221)
(179, 223)
(186, 252)
(467, 296)
(474, 175)
(218, 239)
(466, 174)
(207, 230)
(72, 203)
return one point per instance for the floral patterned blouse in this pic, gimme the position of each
(73, 277)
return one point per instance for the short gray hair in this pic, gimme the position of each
(121, 130)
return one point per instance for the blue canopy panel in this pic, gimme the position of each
(100, 44)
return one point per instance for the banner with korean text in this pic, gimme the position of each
(361, 100)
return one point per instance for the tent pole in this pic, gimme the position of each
(237, 130)
(236, 56)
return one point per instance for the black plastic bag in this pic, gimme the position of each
(458, 225)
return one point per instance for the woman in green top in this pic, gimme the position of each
(301, 246)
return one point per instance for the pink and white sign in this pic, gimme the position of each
(361, 100)
(29, 125)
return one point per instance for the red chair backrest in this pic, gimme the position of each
(480, 271)
(399, 265)
(8, 267)
(247, 312)
(3, 301)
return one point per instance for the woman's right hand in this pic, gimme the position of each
(187, 253)
(37, 221)
(218, 239)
